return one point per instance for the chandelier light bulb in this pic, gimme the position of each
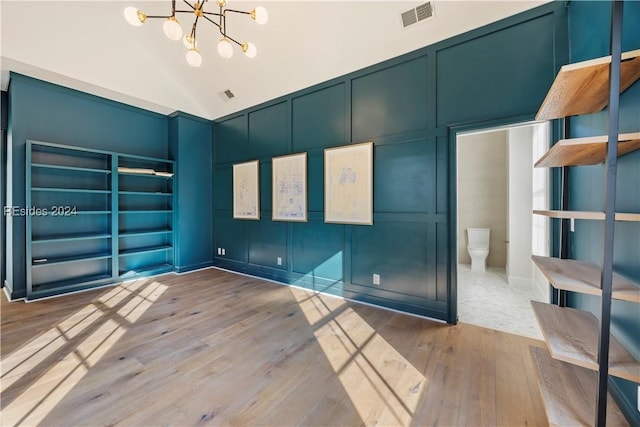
(134, 16)
(249, 49)
(260, 15)
(225, 49)
(194, 58)
(172, 28)
(189, 41)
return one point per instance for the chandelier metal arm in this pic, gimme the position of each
(237, 11)
(214, 23)
(173, 30)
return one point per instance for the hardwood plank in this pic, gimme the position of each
(572, 336)
(598, 216)
(216, 348)
(569, 393)
(584, 277)
(511, 402)
(586, 151)
(583, 87)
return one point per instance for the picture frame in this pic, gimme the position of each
(348, 184)
(289, 187)
(246, 190)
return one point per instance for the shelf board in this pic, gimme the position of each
(93, 212)
(146, 250)
(146, 271)
(145, 193)
(70, 190)
(79, 212)
(586, 151)
(65, 285)
(587, 215)
(68, 237)
(572, 336)
(584, 277)
(583, 87)
(66, 260)
(69, 168)
(145, 175)
(147, 211)
(569, 392)
(144, 232)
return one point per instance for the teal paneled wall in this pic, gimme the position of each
(46, 112)
(589, 29)
(393, 100)
(4, 119)
(191, 146)
(405, 106)
(319, 118)
(488, 71)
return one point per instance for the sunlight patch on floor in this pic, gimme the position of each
(44, 393)
(382, 385)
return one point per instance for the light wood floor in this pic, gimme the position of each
(215, 348)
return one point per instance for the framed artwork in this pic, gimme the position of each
(348, 184)
(289, 180)
(246, 193)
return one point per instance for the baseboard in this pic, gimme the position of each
(193, 267)
(521, 282)
(8, 291)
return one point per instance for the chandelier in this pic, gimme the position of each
(173, 30)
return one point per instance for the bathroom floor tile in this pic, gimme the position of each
(486, 299)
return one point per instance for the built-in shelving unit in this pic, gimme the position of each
(569, 391)
(583, 87)
(145, 211)
(584, 277)
(87, 224)
(573, 374)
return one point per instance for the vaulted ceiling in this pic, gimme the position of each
(88, 45)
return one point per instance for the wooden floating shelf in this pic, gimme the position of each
(584, 277)
(569, 393)
(588, 215)
(586, 151)
(583, 87)
(572, 336)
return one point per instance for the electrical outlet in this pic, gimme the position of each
(219, 251)
(376, 279)
(573, 225)
(224, 252)
(279, 260)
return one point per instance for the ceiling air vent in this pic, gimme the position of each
(226, 95)
(415, 15)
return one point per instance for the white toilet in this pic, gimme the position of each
(478, 248)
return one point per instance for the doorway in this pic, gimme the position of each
(497, 189)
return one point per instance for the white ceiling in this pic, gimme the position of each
(87, 45)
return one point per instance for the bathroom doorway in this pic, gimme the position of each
(497, 189)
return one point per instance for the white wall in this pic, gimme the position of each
(520, 269)
(541, 235)
(482, 192)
